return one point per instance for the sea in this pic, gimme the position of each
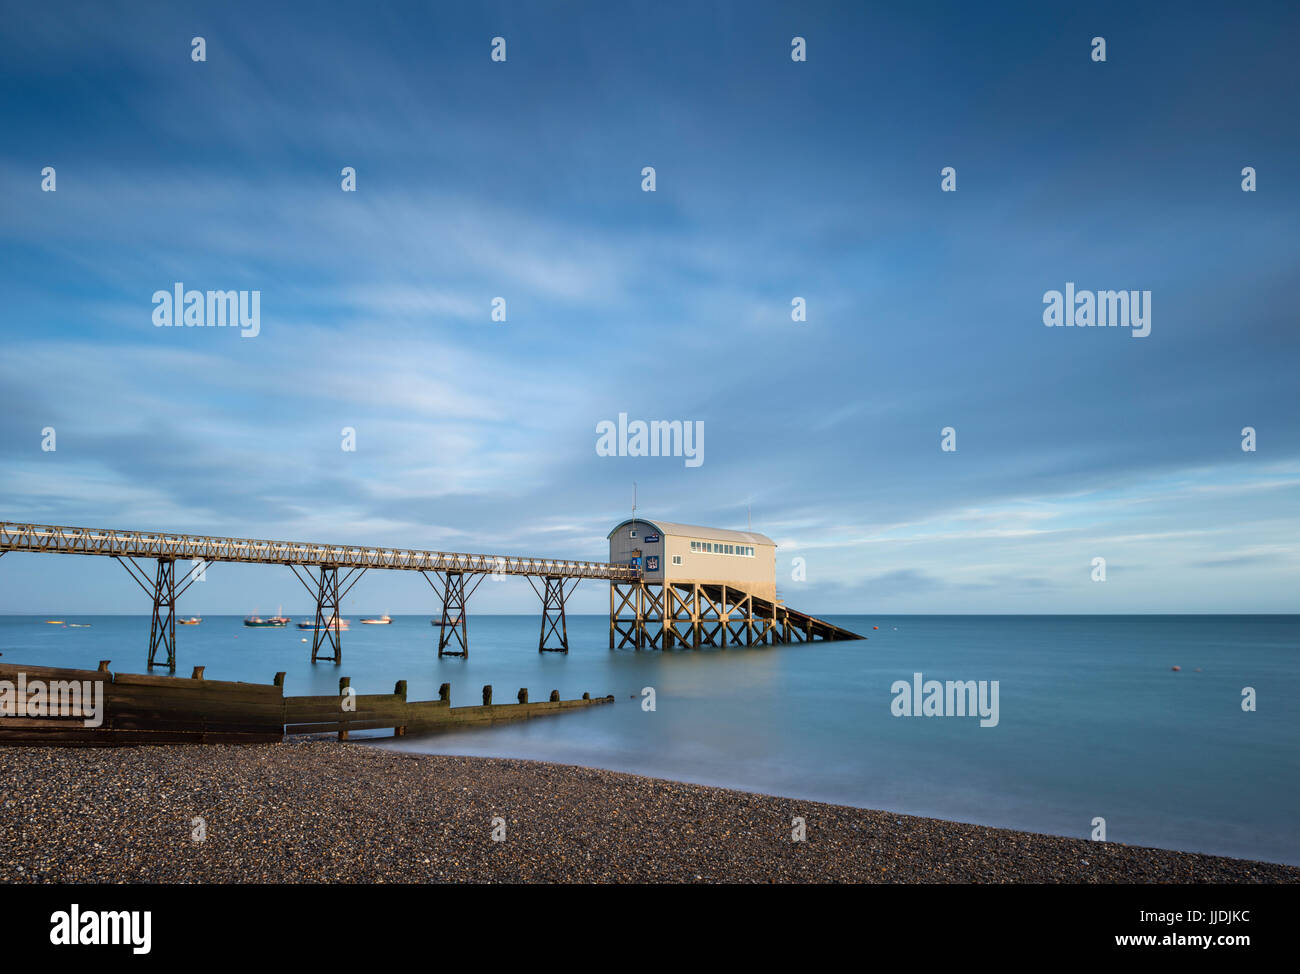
(1095, 726)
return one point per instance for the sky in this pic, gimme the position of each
(774, 179)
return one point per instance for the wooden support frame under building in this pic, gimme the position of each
(645, 615)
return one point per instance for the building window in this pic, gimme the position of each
(632, 533)
(718, 548)
(677, 559)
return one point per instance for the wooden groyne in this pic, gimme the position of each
(54, 705)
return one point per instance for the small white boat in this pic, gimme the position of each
(334, 622)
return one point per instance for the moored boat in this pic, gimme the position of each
(335, 623)
(382, 620)
(191, 621)
(257, 622)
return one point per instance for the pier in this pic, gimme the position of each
(651, 607)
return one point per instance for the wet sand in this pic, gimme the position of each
(319, 811)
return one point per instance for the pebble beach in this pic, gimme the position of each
(319, 811)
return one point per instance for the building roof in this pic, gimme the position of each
(696, 531)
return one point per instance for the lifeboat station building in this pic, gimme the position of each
(701, 586)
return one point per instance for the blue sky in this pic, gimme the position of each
(775, 179)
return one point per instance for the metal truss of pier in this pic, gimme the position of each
(647, 615)
(453, 576)
(555, 628)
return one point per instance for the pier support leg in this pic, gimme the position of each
(328, 628)
(553, 620)
(162, 625)
(163, 591)
(328, 591)
(453, 617)
(454, 597)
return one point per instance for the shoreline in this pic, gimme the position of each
(317, 811)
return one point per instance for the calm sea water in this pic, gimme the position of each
(1093, 721)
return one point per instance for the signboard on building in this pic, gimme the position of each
(652, 563)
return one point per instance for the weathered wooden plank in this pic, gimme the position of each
(41, 723)
(359, 701)
(82, 737)
(10, 671)
(145, 708)
(338, 725)
(164, 703)
(252, 690)
(334, 716)
(193, 726)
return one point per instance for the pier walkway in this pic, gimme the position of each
(453, 576)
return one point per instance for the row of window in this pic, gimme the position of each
(717, 548)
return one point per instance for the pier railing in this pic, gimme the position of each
(180, 547)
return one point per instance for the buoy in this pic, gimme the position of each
(875, 627)
(1177, 669)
